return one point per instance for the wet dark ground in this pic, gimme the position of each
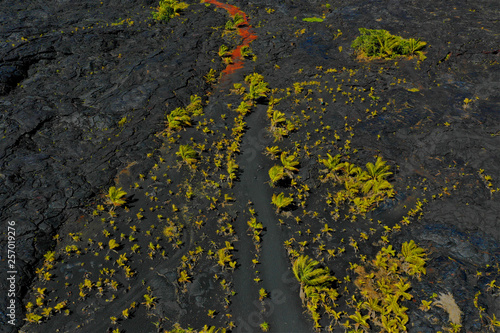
(68, 76)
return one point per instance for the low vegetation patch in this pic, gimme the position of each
(384, 286)
(168, 9)
(379, 43)
(312, 19)
(316, 290)
(363, 189)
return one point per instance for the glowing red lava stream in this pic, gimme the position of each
(245, 31)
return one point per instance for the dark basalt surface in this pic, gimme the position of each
(71, 71)
(64, 92)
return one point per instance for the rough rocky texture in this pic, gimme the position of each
(64, 91)
(70, 72)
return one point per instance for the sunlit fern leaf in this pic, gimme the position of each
(411, 46)
(276, 119)
(280, 201)
(224, 257)
(246, 51)
(257, 87)
(178, 119)
(279, 133)
(232, 167)
(387, 44)
(115, 196)
(224, 51)
(379, 170)
(184, 277)
(289, 162)
(290, 126)
(168, 9)
(187, 154)
(306, 272)
(195, 106)
(401, 288)
(272, 151)
(331, 162)
(414, 257)
(376, 186)
(389, 324)
(360, 319)
(276, 173)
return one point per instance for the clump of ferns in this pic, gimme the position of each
(180, 118)
(280, 125)
(247, 53)
(233, 24)
(316, 288)
(289, 166)
(362, 189)
(384, 284)
(379, 43)
(168, 9)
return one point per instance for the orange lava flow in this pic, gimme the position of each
(245, 31)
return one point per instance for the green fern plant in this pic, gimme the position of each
(360, 320)
(379, 170)
(276, 173)
(232, 168)
(115, 197)
(414, 259)
(168, 9)
(379, 43)
(235, 22)
(246, 52)
(280, 201)
(315, 286)
(188, 155)
(149, 301)
(306, 272)
(413, 46)
(272, 152)
(177, 120)
(289, 163)
(224, 51)
(195, 107)
(257, 87)
(383, 286)
(277, 118)
(333, 166)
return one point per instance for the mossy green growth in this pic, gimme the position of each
(168, 9)
(312, 19)
(379, 43)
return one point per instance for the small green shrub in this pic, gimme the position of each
(168, 9)
(379, 43)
